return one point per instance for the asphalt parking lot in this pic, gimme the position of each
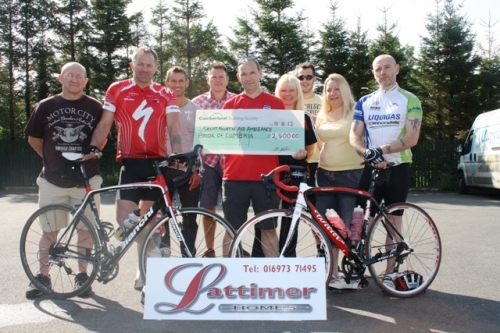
(463, 298)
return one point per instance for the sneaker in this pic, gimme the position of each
(34, 292)
(209, 253)
(154, 253)
(321, 251)
(388, 280)
(165, 252)
(138, 283)
(80, 280)
(341, 284)
(143, 296)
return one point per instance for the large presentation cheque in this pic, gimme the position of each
(253, 132)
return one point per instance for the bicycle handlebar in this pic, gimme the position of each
(192, 158)
(272, 181)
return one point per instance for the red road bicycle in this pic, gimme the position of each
(403, 260)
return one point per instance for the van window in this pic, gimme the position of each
(468, 143)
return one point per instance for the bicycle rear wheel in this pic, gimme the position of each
(202, 240)
(309, 239)
(74, 253)
(405, 275)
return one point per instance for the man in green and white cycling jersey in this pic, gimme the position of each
(386, 125)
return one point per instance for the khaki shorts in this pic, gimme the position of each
(51, 194)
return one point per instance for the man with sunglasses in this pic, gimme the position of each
(306, 73)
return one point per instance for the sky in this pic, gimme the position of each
(409, 15)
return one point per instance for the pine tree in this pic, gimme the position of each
(69, 26)
(9, 61)
(360, 76)
(489, 70)
(447, 73)
(245, 38)
(282, 42)
(111, 35)
(34, 21)
(159, 20)
(334, 53)
(388, 43)
(193, 42)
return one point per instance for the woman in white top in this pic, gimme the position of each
(339, 164)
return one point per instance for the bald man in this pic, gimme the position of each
(386, 125)
(64, 123)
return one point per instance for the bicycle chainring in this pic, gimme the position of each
(352, 272)
(107, 271)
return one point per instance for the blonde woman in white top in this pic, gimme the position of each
(339, 164)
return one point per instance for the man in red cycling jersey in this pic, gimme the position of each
(144, 113)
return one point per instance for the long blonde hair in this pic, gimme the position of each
(291, 80)
(345, 92)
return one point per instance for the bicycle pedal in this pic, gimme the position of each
(363, 284)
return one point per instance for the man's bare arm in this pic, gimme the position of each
(409, 140)
(36, 144)
(356, 136)
(100, 135)
(173, 129)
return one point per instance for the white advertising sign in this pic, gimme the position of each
(235, 289)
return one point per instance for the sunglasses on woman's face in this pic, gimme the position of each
(306, 77)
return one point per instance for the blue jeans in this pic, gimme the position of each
(342, 203)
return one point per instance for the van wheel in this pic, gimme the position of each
(462, 187)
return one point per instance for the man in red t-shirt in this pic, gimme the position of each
(144, 113)
(241, 176)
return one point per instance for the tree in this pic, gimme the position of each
(159, 20)
(33, 24)
(245, 38)
(45, 82)
(334, 53)
(282, 42)
(447, 67)
(110, 37)
(9, 60)
(194, 43)
(360, 75)
(489, 70)
(388, 43)
(69, 26)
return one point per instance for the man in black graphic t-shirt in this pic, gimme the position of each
(63, 123)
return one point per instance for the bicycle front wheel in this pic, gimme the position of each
(206, 235)
(407, 274)
(307, 241)
(52, 247)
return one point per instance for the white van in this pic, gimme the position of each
(479, 164)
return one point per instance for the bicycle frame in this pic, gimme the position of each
(354, 254)
(164, 201)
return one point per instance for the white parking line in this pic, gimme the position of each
(28, 313)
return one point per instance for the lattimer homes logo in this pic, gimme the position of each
(195, 289)
(214, 289)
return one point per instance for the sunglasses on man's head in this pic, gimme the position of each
(307, 77)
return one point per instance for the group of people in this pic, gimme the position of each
(154, 120)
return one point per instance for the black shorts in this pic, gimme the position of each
(237, 197)
(140, 170)
(211, 185)
(392, 185)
